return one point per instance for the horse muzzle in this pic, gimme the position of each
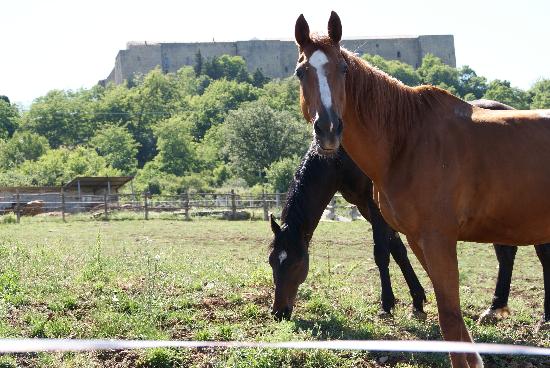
(328, 133)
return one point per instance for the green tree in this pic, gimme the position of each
(177, 152)
(198, 63)
(63, 117)
(211, 107)
(397, 69)
(502, 91)
(119, 148)
(21, 147)
(281, 173)
(283, 95)
(228, 67)
(59, 166)
(433, 71)
(153, 99)
(540, 93)
(257, 136)
(259, 78)
(471, 84)
(9, 118)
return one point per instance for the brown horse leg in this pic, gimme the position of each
(441, 261)
(418, 253)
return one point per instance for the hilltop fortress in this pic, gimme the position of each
(276, 59)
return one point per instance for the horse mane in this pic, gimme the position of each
(296, 214)
(379, 97)
(294, 210)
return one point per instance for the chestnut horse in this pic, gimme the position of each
(443, 170)
(315, 182)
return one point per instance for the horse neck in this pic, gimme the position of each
(315, 183)
(379, 116)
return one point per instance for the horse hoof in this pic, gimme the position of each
(542, 326)
(418, 314)
(385, 315)
(492, 316)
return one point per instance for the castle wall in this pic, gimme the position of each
(277, 59)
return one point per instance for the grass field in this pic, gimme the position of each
(209, 279)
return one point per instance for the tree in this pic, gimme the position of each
(257, 136)
(62, 117)
(21, 147)
(283, 95)
(118, 147)
(212, 106)
(198, 63)
(9, 118)
(397, 69)
(153, 99)
(281, 173)
(59, 166)
(433, 71)
(259, 78)
(176, 147)
(471, 84)
(228, 67)
(540, 93)
(502, 91)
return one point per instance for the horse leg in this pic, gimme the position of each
(499, 308)
(543, 252)
(442, 263)
(418, 253)
(382, 259)
(399, 254)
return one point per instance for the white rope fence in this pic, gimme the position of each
(64, 345)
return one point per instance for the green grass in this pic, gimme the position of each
(210, 280)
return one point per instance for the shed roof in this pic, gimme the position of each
(114, 182)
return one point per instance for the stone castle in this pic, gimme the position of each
(276, 59)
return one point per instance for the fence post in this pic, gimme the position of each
(332, 209)
(18, 207)
(186, 204)
(145, 195)
(233, 205)
(105, 206)
(63, 204)
(264, 204)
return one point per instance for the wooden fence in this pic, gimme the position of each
(231, 206)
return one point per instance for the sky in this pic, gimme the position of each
(72, 44)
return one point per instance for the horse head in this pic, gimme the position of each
(289, 262)
(322, 70)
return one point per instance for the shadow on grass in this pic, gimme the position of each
(333, 327)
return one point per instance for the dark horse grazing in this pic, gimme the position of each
(315, 183)
(443, 170)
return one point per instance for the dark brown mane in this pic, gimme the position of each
(380, 98)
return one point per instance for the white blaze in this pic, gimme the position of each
(318, 60)
(282, 256)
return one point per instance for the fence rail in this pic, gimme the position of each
(232, 206)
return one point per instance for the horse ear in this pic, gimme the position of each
(274, 225)
(335, 27)
(301, 32)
